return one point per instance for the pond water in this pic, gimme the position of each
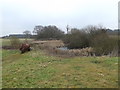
(63, 48)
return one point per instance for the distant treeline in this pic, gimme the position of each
(113, 32)
(52, 32)
(48, 32)
(19, 36)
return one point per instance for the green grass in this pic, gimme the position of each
(38, 70)
(6, 42)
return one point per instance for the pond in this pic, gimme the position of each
(63, 48)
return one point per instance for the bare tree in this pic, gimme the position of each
(37, 29)
(27, 33)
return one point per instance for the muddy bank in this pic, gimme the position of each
(53, 48)
(9, 47)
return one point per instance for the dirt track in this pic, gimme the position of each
(53, 43)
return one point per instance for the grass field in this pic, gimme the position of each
(38, 70)
(6, 42)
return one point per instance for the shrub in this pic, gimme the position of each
(15, 42)
(92, 36)
(101, 42)
(76, 39)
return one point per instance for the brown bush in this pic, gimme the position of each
(15, 42)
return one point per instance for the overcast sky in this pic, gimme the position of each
(17, 16)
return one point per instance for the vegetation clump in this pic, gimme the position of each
(15, 42)
(76, 39)
(92, 36)
(48, 32)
